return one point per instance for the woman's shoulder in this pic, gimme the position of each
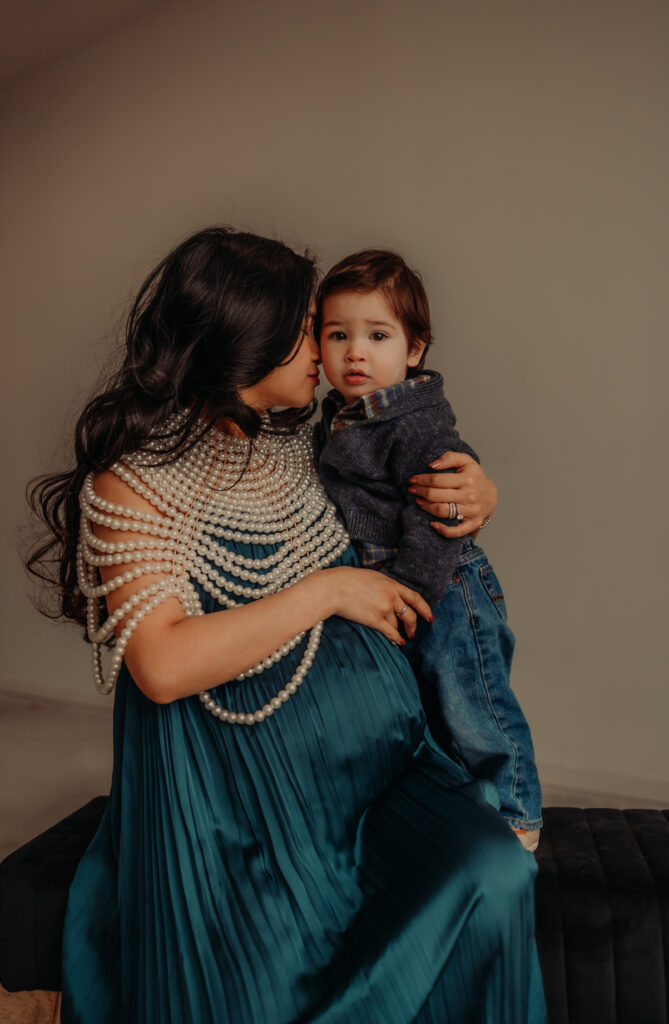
(110, 486)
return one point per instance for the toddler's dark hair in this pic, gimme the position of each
(381, 270)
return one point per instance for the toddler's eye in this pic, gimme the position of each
(378, 336)
(337, 336)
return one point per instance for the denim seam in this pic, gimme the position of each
(472, 618)
(497, 599)
(529, 824)
(471, 554)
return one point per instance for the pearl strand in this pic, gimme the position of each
(254, 717)
(188, 507)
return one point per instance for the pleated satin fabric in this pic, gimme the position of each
(330, 865)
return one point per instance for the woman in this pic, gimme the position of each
(267, 855)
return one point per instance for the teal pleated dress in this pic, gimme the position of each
(330, 865)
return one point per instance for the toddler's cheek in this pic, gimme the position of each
(328, 363)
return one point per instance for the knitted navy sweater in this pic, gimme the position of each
(366, 468)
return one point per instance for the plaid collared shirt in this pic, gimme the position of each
(368, 406)
(372, 556)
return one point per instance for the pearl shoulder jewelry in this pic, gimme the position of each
(223, 491)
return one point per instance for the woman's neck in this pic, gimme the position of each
(228, 426)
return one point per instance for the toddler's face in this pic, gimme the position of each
(364, 346)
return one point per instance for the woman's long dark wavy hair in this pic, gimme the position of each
(221, 311)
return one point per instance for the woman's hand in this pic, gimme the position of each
(469, 487)
(372, 599)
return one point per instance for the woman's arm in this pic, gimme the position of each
(171, 655)
(468, 487)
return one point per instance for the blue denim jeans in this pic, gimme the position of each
(463, 663)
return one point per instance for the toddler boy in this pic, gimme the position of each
(384, 421)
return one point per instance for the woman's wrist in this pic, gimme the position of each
(320, 591)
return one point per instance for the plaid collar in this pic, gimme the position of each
(368, 406)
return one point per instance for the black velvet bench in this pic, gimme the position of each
(602, 912)
(602, 905)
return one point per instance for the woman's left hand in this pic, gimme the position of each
(468, 487)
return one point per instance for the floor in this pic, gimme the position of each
(54, 757)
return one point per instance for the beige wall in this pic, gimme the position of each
(516, 152)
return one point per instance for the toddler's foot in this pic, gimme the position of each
(530, 840)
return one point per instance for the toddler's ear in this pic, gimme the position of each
(416, 349)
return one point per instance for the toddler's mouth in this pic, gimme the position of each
(355, 377)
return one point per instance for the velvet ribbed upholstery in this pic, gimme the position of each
(602, 904)
(34, 882)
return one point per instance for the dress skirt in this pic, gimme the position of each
(330, 865)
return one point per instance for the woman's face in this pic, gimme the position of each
(292, 384)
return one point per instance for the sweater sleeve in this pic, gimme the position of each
(425, 561)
